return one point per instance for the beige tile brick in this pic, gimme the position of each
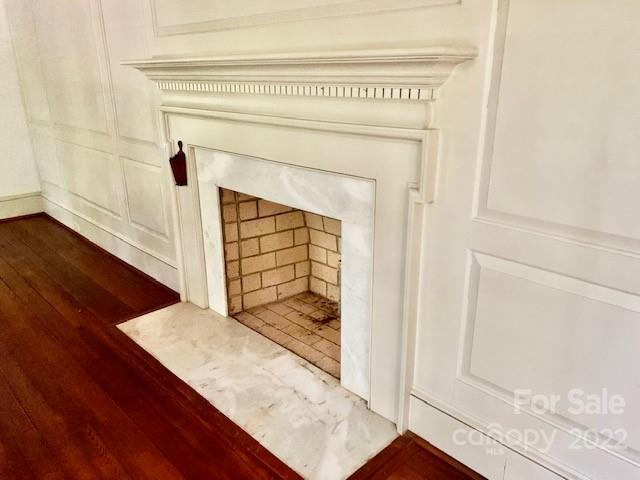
(259, 263)
(249, 320)
(255, 310)
(229, 213)
(324, 240)
(313, 221)
(244, 197)
(323, 272)
(335, 324)
(299, 305)
(301, 333)
(228, 196)
(301, 319)
(235, 305)
(254, 228)
(234, 287)
(301, 235)
(287, 221)
(318, 286)
(333, 292)
(292, 255)
(248, 210)
(328, 348)
(333, 259)
(323, 303)
(330, 366)
(233, 269)
(231, 232)
(274, 319)
(339, 244)
(321, 316)
(328, 333)
(318, 254)
(267, 208)
(250, 247)
(274, 334)
(276, 241)
(259, 297)
(231, 251)
(251, 282)
(331, 225)
(309, 297)
(304, 350)
(292, 288)
(280, 308)
(302, 269)
(278, 276)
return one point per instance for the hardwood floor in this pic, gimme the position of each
(78, 399)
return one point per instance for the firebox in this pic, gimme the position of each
(283, 275)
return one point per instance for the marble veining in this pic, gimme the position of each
(295, 410)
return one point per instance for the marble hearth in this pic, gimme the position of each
(298, 412)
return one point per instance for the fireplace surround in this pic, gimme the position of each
(350, 129)
(346, 198)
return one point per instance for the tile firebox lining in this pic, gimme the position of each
(283, 275)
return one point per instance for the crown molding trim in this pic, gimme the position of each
(396, 74)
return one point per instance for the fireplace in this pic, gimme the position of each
(283, 275)
(345, 135)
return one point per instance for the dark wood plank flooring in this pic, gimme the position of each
(78, 399)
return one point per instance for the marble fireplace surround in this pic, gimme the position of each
(348, 199)
(333, 133)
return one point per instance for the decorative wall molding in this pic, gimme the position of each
(332, 10)
(395, 74)
(300, 90)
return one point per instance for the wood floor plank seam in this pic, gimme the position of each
(119, 333)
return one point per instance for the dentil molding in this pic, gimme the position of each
(391, 74)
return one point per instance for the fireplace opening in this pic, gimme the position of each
(283, 275)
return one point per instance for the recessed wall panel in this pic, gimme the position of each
(556, 334)
(568, 116)
(145, 202)
(171, 17)
(128, 33)
(91, 176)
(68, 47)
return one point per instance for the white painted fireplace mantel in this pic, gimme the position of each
(362, 116)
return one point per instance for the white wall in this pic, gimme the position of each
(103, 170)
(19, 174)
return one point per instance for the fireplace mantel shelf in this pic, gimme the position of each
(401, 74)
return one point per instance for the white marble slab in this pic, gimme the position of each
(295, 410)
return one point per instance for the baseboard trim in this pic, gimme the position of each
(459, 439)
(437, 422)
(153, 266)
(439, 429)
(12, 206)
